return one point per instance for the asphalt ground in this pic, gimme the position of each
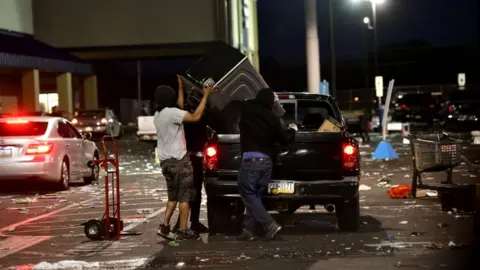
(394, 233)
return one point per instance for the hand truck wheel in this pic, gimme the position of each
(113, 226)
(94, 229)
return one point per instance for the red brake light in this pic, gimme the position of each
(350, 156)
(432, 106)
(404, 106)
(74, 121)
(450, 108)
(39, 149)
(17, 122)
(210, 158)
(104, 121)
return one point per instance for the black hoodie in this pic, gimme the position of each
(260, 128)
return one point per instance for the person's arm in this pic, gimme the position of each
(180, 101)
(283, 137)
(197, 114)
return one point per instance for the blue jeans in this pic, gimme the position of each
(253, 181)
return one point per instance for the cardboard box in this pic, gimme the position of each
(330, 125)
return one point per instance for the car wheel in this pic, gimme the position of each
(94, 174)
(348, 214)
(64, 182)
(223, 217)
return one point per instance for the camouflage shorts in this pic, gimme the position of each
(179, 177)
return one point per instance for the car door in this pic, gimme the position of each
(72, 144)
(80, 149)
(115, 124)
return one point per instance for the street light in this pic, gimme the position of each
(373, 27)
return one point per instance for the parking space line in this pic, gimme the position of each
(26, 221)
(14, 244)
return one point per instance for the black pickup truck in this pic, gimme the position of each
(315, 169)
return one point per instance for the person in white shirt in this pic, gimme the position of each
(172, 152)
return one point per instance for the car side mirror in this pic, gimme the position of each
(87, 136)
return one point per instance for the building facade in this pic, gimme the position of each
(125, 29)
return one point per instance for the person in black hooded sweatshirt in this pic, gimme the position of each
(260, 130)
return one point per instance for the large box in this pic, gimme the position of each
(233, 74)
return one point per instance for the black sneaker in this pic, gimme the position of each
(180, 236)
(177, 226)
(246, 236)
(272, 230)
(198, 227)
(163, 230)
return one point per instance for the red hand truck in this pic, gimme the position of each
(111, 225)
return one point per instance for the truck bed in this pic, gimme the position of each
(312, 156)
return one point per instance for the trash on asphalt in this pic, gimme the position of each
(432, 193)
(433, 246)
(442, 225)
(403, 222)
(23, 211)
(145, 211)
(24, 201)
(67, 264)
(173, 244)
(180, 265)
(416, 233)
(383, 182)
(453, 245)
(364, 187)
(399, 192)
(12, 229)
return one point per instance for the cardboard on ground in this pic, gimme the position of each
(330, 125)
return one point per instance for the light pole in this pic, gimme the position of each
(313, 48)
(373, 27)
(331, 23)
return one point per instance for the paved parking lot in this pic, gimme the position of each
(406, 233)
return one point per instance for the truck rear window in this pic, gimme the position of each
(20, 128)
(307, 113)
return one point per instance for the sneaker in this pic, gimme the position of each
(163, 230)
(272, 230)
(246, 236)
(177, 226)
(180, 236)
(198, 227)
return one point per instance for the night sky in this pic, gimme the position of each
(440, 22)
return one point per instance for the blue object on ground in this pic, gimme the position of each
(385, 151)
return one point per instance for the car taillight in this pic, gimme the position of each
(404, 106)
(432, 106)
(450, 108)
(350, 156)
(39, 149)
(74, 121)
(104, 121)
(17, 121)
(210, 158)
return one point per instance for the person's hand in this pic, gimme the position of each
(293, 126)
(180, 82)
(207, 90)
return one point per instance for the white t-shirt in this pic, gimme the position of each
(171, 136)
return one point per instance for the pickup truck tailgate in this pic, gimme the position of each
(312, 156)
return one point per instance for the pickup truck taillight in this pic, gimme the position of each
(210, 158)
(350, 156)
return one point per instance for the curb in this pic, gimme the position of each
(130, 264)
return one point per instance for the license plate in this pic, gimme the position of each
(281, 187)
(88, 129)
(5, 153)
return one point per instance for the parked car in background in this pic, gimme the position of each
(416, 107)
(46, 148)
(98, 122)
(462, 111)
(146, 129)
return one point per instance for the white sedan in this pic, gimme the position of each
(46, 148)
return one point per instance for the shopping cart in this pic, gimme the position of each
(110, 225)
(435, 152)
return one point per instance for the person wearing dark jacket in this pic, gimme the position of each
(260, 130)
